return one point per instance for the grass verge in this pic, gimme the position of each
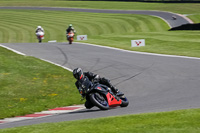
(183, 121)
(115, 30)
(30, 85)
(183, 8)
(191, 9)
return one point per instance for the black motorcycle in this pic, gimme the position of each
(101, 96)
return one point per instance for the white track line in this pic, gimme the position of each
(20, 53)
(12, 50)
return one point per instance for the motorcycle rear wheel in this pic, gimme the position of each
(99, 101)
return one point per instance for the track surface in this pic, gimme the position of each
(151, 83)
(166, 16)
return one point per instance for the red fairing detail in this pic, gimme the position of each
(42, 36)
(81, 76)
(112, 101)
(99, 88)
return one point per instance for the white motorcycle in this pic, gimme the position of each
(40, 36)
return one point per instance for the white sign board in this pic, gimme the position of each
(53, 41)
(137, 43)
(82, 37)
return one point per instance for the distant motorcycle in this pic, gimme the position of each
(102, 97)
(70, 37)
(40, 36)
(174, 17)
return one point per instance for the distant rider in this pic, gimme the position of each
(80, 75)
(39, 28)
(69, 29)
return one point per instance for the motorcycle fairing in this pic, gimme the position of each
(40, 34)
(70, 36)
(112, 101)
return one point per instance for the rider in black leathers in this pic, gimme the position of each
(82, 76)
(70, 28)
(79, 75)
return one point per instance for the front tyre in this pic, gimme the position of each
(70, 42)
(40, 39)
(125, 101)
(99, 101)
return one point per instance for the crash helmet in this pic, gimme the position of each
(39, 27)
(70, 25)
(78, 73)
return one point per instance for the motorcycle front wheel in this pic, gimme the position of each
(99, 101)
(40, 39)
(125, 101)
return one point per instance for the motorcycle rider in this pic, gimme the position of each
(95, 78)
(39, 28)
(69, 29)
(82, 82)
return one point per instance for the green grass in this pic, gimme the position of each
(115, 30)
(30, 85)
(183, 8)
(183, 121)
(194, 17)
(21, 75)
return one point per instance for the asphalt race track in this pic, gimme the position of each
(166, 16)
(152, 83)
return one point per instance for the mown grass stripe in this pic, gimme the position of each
(114, 29)
(21, 33)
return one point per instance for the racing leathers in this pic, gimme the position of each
(95, 79)
(69, 29)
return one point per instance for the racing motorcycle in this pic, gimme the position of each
(70, 37)
(101, 96)
(40, 36)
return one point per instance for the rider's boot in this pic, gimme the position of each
(116, 91)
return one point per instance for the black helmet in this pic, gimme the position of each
(78, 73)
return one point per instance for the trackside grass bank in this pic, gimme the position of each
(183, 8)
(183, 121)
(29, 85)
(191, 9)
(115, 30)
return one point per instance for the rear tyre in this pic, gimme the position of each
(125, 101)
(99, 101)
